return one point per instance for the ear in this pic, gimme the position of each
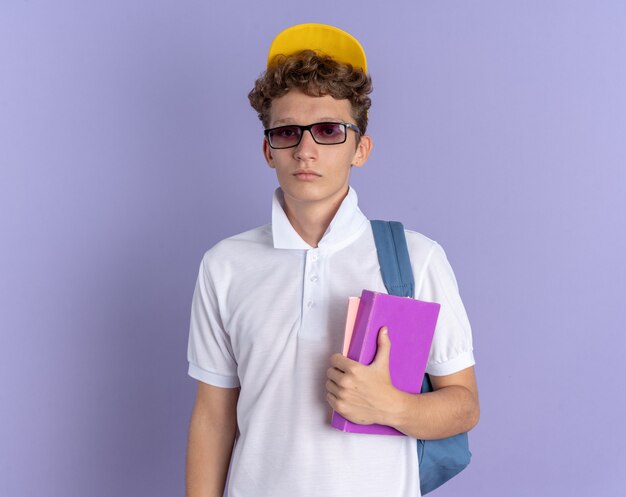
(267, 153)
(363, 150)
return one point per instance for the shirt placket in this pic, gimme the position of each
(312, 298)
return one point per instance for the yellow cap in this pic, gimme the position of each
(329, 40)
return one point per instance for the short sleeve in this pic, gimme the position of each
(452, 349)
(209, 352)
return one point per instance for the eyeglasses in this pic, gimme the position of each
(322, 133)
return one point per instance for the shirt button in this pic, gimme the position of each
(310, 304)
(314, 278)
(314, 257)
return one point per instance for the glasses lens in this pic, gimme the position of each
(284, 137)
(329, 133)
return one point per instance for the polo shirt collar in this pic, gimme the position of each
(349, 222)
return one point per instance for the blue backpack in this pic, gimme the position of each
(439, 460)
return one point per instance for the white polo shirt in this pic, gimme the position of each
(268, 312)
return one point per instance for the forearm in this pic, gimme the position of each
(440, 414)
(208, 455)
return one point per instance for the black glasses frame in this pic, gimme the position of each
(346, 127)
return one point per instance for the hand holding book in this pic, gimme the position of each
(362, 393)
(411, 324)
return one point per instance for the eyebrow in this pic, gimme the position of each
(289, 120)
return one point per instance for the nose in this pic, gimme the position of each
(307, 148)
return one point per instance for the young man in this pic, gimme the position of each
(269, 309)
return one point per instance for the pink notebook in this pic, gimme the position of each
(411, 325)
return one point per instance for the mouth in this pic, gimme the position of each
(307, 175)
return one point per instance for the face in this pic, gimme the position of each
(311, 173)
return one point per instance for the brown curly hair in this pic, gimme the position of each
(315, 75)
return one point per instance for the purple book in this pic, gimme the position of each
(411, 324)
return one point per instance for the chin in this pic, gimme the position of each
(311, 193)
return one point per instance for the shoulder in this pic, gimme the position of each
(429, 259)
(417, 239)
(430, 263)
(421, 247)
(238, 247)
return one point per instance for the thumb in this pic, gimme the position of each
(384, 347)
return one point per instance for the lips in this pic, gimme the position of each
(307, 176)
(306, 172)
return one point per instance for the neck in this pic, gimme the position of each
(311, 219)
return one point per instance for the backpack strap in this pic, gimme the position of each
(395, 265)
(393, 258)
(439, 460)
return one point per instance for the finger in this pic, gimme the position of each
(331, 387)
(384, 346)
(342, 363)
(332, 400)
(334, 374)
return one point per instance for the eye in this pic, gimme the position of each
(286, 132)
(328, 130)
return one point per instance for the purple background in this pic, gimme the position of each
(500, 131)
